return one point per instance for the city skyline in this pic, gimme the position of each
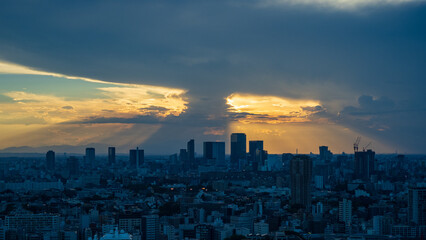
(296, 74)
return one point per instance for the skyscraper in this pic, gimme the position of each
(50, 160)
(301, 174)
(215, 151)
(90, 156)
(417, 205)
(345, 211)
(238, 149)
(325, 154)
(111, 155)
(190, 149)
(73, 166)
(183, 159)
(136, 157)
(364, 164)
(257, 154)
(150, 227)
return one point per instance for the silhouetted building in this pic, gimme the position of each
(215, 151)
(238, 149)
(301, 174)
(183, 158)
(325, 154)
(73, 166)
(50, 160)
(111, 155)
(364, 164)
(190, 149)
(417, 205)
(90, 156)
(258, 156)
(136, 157)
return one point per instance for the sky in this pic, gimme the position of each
(295, 73)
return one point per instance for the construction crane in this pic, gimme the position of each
(356, 143)
(366, 146)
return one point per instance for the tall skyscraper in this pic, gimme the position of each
(190, 149)
(50, 160)
(364, 164)
(300, 182)
(253, 146)
(257, 154)
(238, 149)
(111, 155)
(183, 159)
(325, 154)
(136, 157)
(73, 166)
(215, 151)
(90, 156)
(150, 227)
(417, 205)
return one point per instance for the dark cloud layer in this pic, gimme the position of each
(220, 47)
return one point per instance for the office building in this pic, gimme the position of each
(364, 164)
(417, 205)
(325, 154)
(111, 155)
(257, 155)
(90, 156)
(136, 157)
(73, 166)
(130, 223)
(190, 149)
(215, 151)
(345, 211)
(50, 160)
(150, 227)
(32, 222)
(300, 180)
(238, 149)
(183, 159)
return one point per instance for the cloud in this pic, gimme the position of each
(337, 4)
(370, 106)
(250, 108)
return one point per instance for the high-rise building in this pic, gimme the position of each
(257, 155)
(238, 149)
(300, 182)
(150, 227)
(325, 154)
(136, 157)
(345, 211)
(253, 146)
(215, 151)
(364, 164)
(190, 149)
(50, 160)
(111, 155)
(183, 158)
(90, 156)
(417, 205)
(73, 166)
